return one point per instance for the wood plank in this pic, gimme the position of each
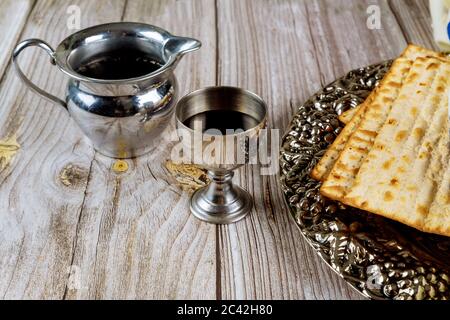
(136, 237)
(42, 190)
(342, 39)
(414, 19)
(285, 51)
(13, 15)
(72, 228)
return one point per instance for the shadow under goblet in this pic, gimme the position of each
(219, 129)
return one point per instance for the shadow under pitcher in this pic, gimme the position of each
(122, 89)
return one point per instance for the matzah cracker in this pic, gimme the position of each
(398, 70)
(348, 115)
(437, 220)
(401, 176)
(344, 172)
(327, 161)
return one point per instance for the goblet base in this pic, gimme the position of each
(221, 210)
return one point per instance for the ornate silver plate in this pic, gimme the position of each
(379, 257)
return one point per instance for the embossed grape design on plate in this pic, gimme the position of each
(380, 258)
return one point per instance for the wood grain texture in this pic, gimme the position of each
(13, 16)
(71, 227)
(136, 237)
(413, 17)
(264, 257)
(39, 214)
(342, 39)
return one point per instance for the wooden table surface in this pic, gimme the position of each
(72, 228)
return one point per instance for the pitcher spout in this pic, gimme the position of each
(178, 46)
(122, 88)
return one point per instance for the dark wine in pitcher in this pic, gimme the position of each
(118, 64)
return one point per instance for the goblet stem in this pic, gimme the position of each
(221, 202)
(221, 189)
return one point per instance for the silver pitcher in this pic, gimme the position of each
(122, 88)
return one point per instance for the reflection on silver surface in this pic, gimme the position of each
(221, 202)
(381, 258)
(122, 116)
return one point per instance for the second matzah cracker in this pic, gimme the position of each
(397, 72)
(348, 115)
(400, 176)
(321, 170)
(438, 217)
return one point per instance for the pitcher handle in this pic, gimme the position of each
(43, 45)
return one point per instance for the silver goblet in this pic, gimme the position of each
(219, 129)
